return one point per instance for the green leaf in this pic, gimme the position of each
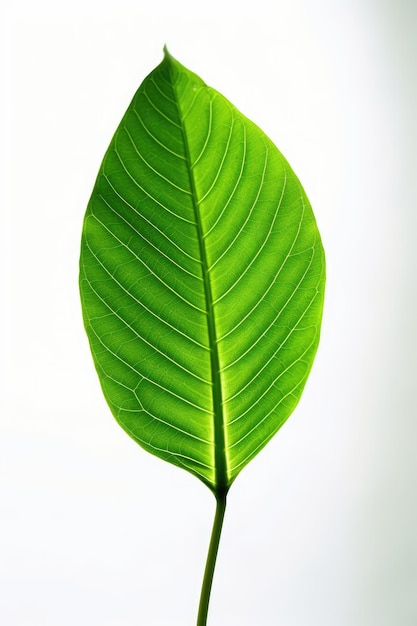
(202, 278)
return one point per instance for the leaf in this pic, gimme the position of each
(202, 278)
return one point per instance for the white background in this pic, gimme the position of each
(321, 526)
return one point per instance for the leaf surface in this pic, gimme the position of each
(201, 278)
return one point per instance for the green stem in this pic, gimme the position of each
(211, 559)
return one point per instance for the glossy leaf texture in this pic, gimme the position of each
(202, 278)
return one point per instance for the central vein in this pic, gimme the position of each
(220, 463)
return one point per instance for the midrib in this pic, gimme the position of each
(220, 461)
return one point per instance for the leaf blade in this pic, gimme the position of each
(202, 278)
